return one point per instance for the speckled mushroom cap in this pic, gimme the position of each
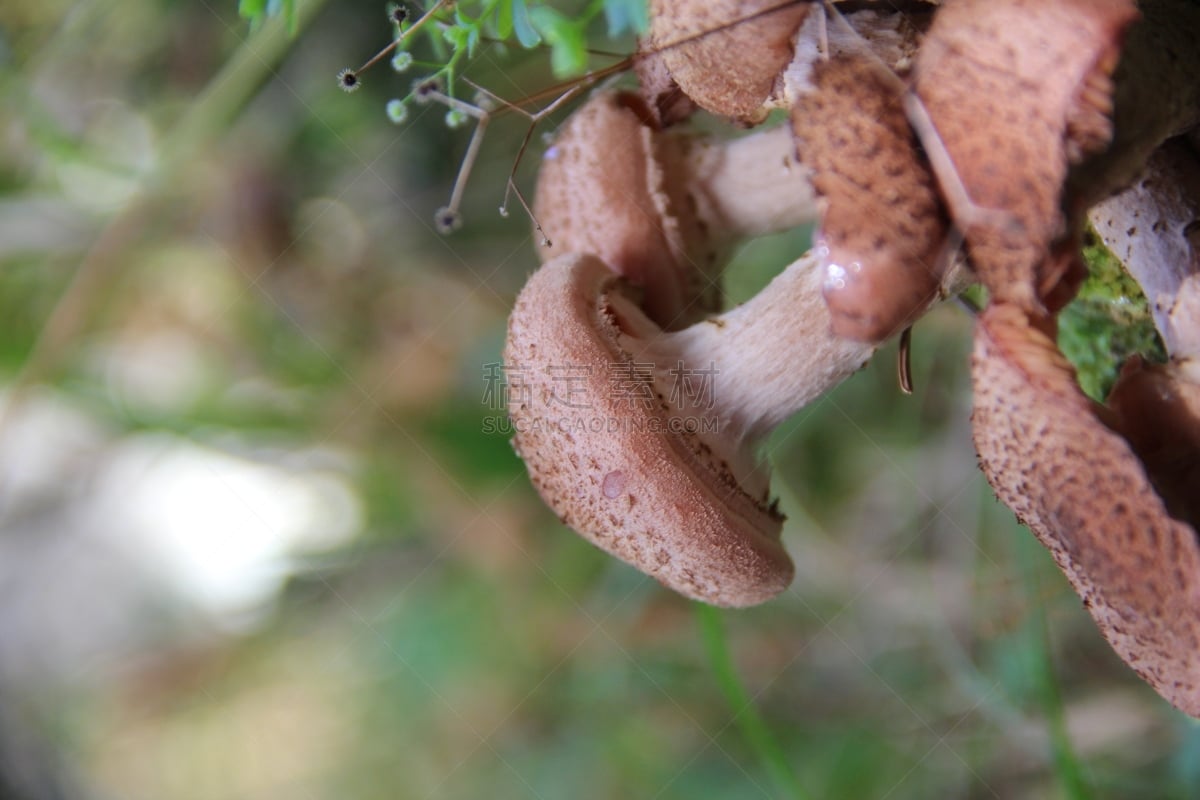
(663, 209)
(1040, 74)
(882, 238)
(602, 190)
(1079, 488)
(613, 466)
(725, 55)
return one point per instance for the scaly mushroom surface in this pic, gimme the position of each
(704, 46)
(663, 209)
(1081, 489)
(884, 236)
(645, 441)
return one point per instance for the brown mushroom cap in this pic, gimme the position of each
(663, 209)
(725, 55)
(1039, 75)
(601, 190)
(1082, 491)
(883, 230)
(613, 466)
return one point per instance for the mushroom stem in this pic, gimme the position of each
(736, 376)
(611, 458)
(746, 187)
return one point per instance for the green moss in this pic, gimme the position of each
(1108, 321)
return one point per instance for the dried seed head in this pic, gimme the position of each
(447, 221)
(349, 81)
(424, 89)
(397, 13)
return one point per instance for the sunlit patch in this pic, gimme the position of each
(222, 530)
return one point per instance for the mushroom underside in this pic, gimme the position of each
(606, 455)
(1079, 487)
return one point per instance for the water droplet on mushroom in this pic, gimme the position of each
(835, 277)
(614, 484)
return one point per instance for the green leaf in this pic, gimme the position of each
(289, 14)
(456, 36)
(526, 34)
(568, 44)
(504, 19)
(626, 15)
(252, 9)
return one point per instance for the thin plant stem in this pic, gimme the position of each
(746, 716)
(1066, 764)
(404, 36)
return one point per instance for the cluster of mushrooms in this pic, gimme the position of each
(934, 144)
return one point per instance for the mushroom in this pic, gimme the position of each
(645, 441)
(703, 47)
(884, 233)
(695, 53)
(1062, 463)
(662, 209)
(883, 228)
(1019, 90)
(1083, 492)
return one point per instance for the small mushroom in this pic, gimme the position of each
(662, 209)
(645, 441)
(1062, 134)
(731, 57)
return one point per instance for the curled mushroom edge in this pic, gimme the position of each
(645, 441)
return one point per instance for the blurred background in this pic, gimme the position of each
(261, 538)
